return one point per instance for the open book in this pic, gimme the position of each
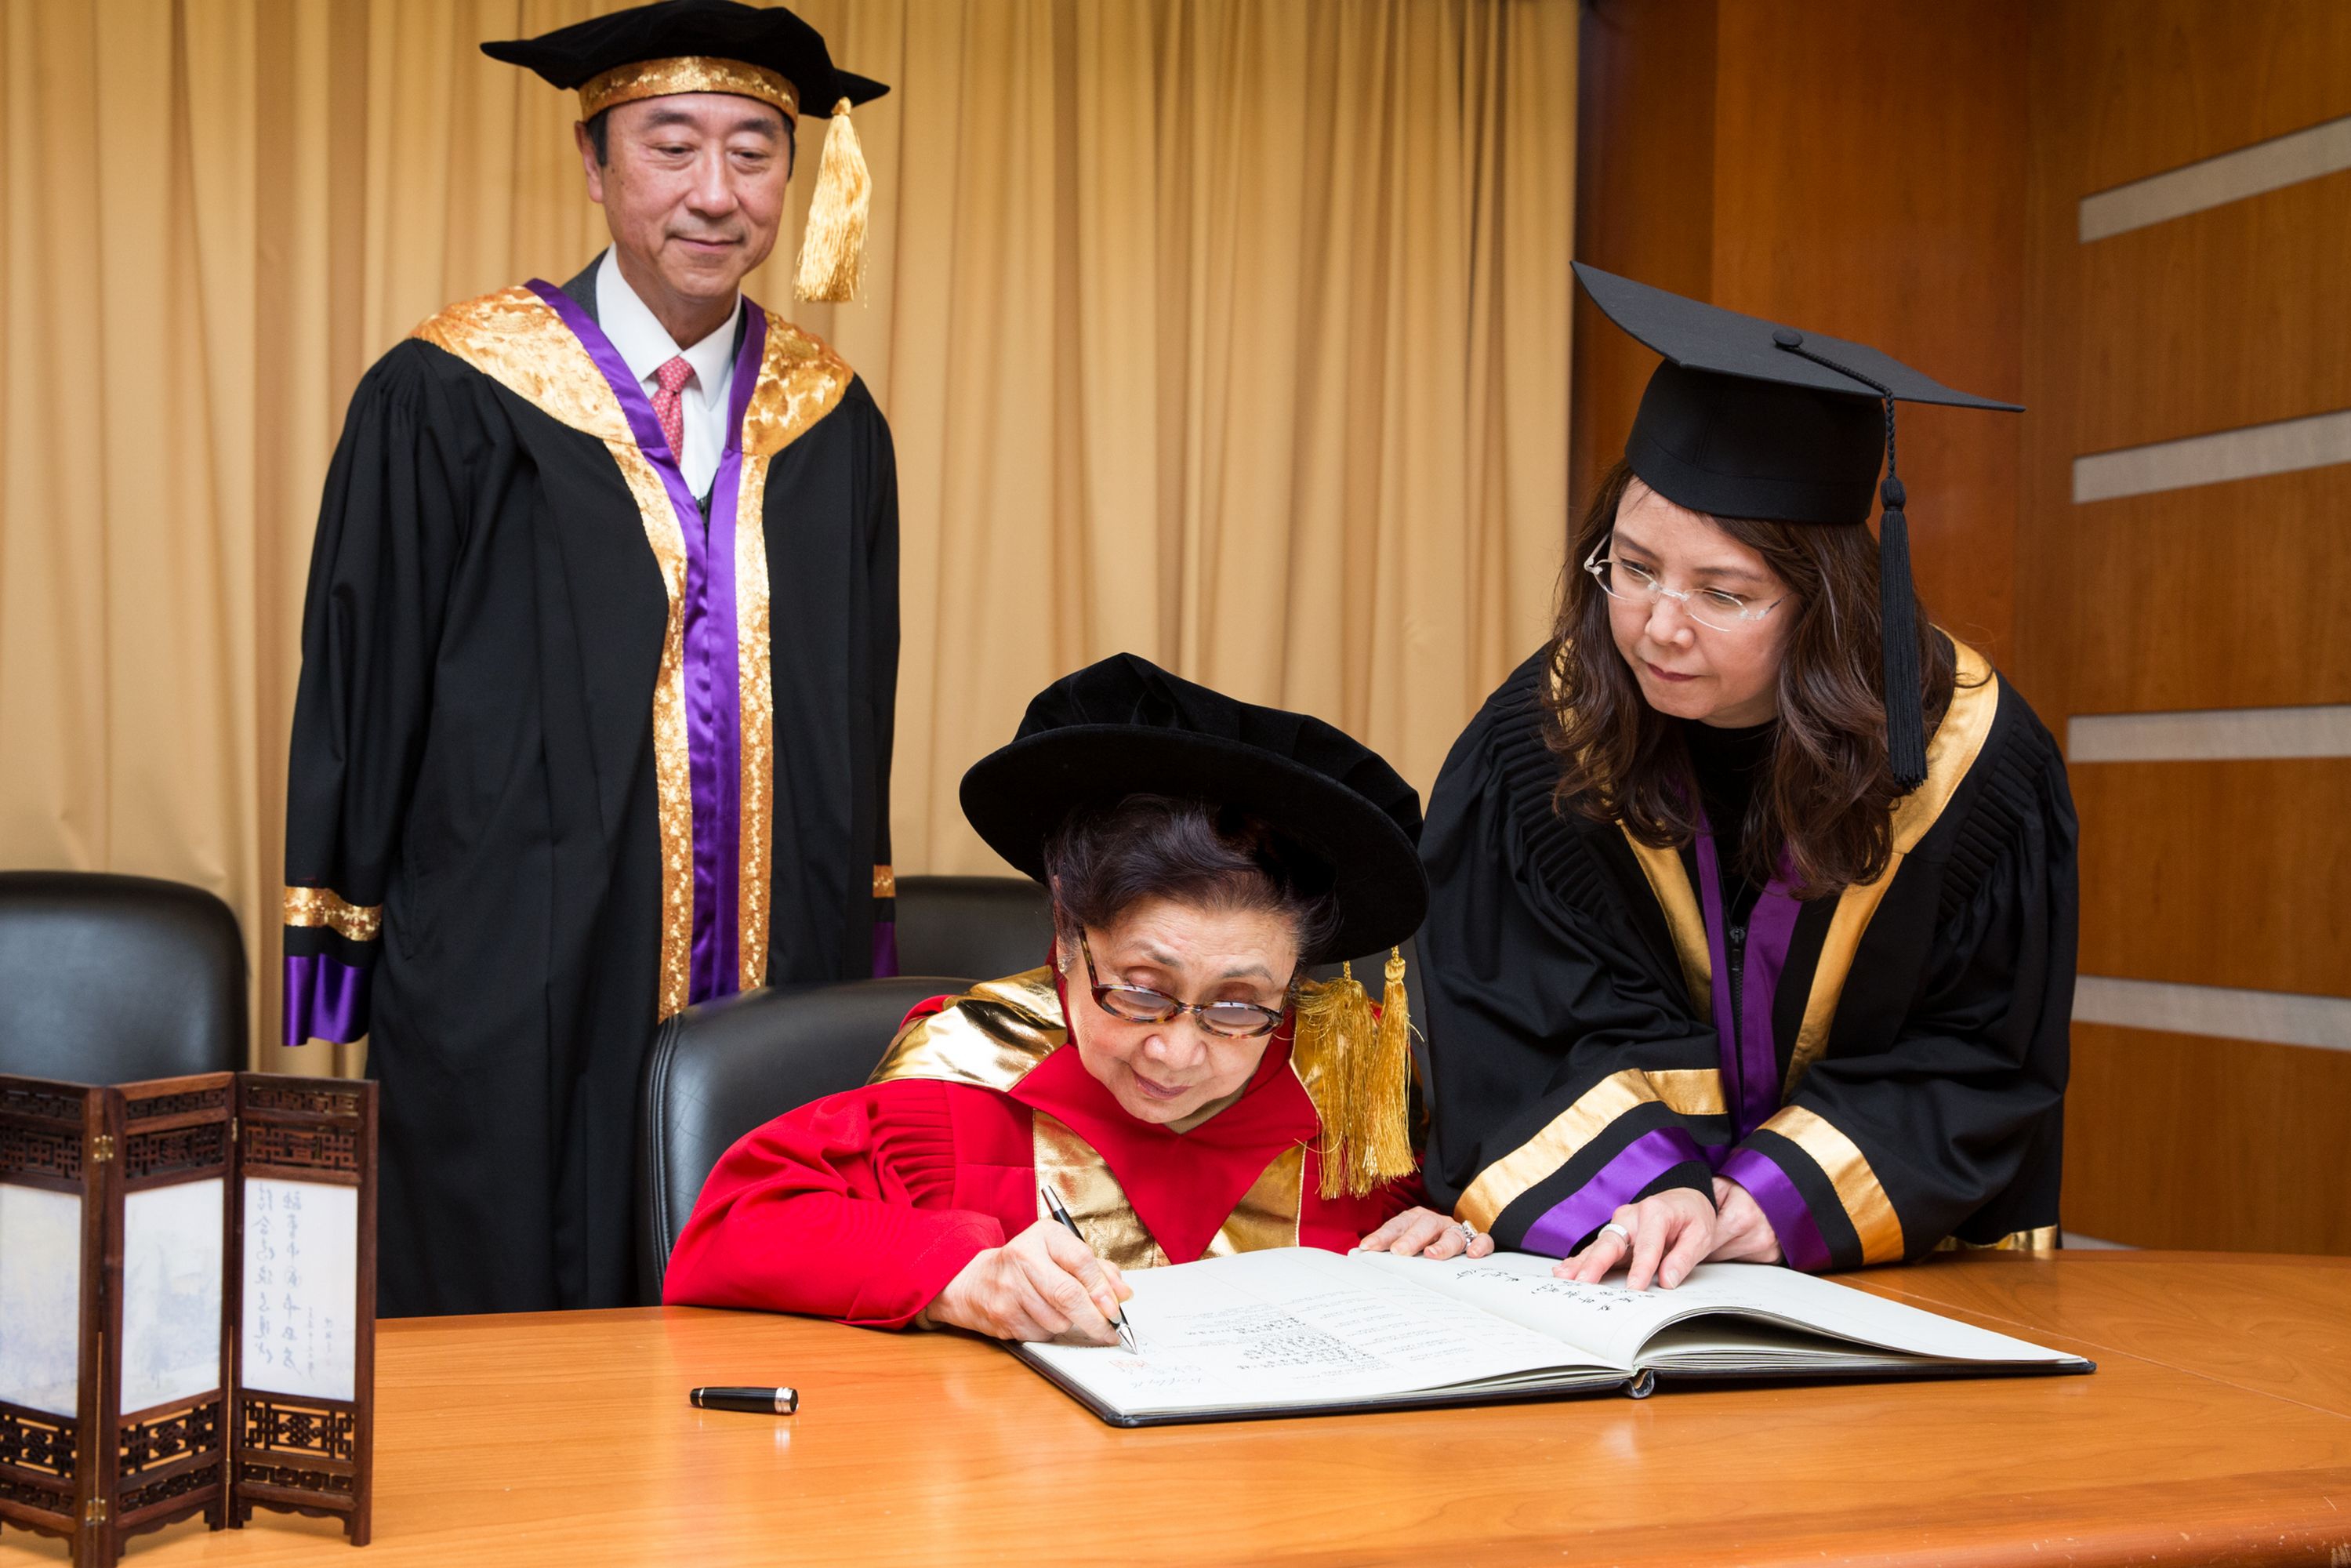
(1298, 1332)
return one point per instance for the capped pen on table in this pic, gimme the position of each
(1118, 1320)
(749, 1401)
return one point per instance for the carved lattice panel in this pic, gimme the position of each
(201, 1147)
(36, 1443)
(315, 1102)
(311, 1147)
(295, 1479)
(146, 1444)
(280, 1427)
(14, 1489)
(203, 1478)
(39, 1103)
(36, 1151)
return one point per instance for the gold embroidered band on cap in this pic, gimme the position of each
(686, 73)
(324, 906)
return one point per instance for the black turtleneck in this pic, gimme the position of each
(1728, 763)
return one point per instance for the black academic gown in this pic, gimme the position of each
(571, 750)
(1896, 1069)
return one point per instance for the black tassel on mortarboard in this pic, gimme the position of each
(1897, 600)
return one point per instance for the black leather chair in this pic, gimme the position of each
(117, 980)
(988, 927)
(719, 1070)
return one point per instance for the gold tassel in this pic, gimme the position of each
(832, 248)
(1359, 1075)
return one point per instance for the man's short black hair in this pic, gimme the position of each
(599, 134)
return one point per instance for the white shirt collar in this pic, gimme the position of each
(645, 345)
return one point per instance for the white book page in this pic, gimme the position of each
(1290, 1327)
(301, 1288)
(171, 1244)
(1613, 1322)
(40, 1298)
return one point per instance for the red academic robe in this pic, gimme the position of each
(863, 1204)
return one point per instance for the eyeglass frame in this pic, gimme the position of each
(1179, 1008)
(1597, 564)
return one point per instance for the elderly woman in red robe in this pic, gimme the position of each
(1171, 1074)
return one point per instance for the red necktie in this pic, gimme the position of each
(669, 406)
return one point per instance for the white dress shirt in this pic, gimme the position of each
(645, 346)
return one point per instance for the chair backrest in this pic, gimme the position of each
(717, 1070)
(117, 980)
(985, 926)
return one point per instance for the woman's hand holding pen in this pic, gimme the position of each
(1042, 1284)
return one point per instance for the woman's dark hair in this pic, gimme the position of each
(1103, 861)
(1827, 797)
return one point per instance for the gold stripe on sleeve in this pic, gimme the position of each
(1688, 1090)
(1839, 1158)
(1503, 1183)
(885, 883)
(1958, 741)
(311, 906)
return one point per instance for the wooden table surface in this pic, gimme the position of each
(2217, 1430)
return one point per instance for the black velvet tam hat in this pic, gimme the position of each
(686, 46)
(761, 52)
(1749, 419)
(1125, 726)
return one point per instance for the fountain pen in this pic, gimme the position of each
(1054, 1203)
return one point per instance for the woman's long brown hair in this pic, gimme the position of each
(1828, 798)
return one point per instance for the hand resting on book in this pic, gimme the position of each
(1424, 1233)
(1673, 1232)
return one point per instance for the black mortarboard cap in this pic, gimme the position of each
(1747, 418)
(1125, 726)
(767, 37)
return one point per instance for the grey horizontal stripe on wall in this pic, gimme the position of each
(2321, 149)
(2247, 453)
(2213, 735)
(2277, 1017)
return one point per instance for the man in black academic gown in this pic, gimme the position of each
(599, 665)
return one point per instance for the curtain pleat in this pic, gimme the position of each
(1230, 332)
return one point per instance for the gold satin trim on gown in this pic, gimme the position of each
(2039, 1239)
(1070, 1166)
(516, 340)
(324, 906)
(799, 382)
(1267, 1213)
(1503, 1183)
(1678, 900)
(1858, 1193)
(1952, 751)
(990, 1037)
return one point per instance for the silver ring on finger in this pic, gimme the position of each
(1468, 1234)
(1619, 1231)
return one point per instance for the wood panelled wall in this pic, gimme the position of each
(1910, 176)
(2225, 595)
(1775, 157)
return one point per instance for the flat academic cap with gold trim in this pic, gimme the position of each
(751, 51)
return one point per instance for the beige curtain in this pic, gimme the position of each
(1232, 333)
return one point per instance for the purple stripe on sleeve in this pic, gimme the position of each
(886, 949)
(1617, 1182)
(1783, 1206)
(325, 998)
